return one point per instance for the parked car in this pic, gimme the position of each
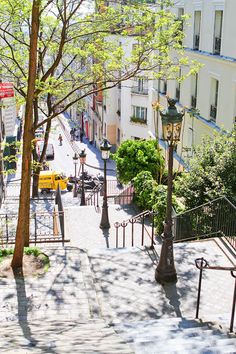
(50, 154)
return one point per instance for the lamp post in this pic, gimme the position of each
(171, 125)
(82, 158)
(75, 158)
(105, 149)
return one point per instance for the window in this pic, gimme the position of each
(140, 85)
(194, 83)
(118, 136)
(214, 98)
(177, 88)
(139, 114)
(163, 86)
(217, 32)
(197, 26)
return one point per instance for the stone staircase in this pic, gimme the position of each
(92, 336)
(107, 302)
(175, 336)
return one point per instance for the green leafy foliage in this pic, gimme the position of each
(32, 250)
(149, 195)
(212, 171)
(134, 156)
(143, 186)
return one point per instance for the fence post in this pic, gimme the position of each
(233, 306)
(7, 227)
(35, 229)
(199, 282)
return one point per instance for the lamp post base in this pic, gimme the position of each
(165, 271)
(104, 224)
(165, 277)
(82, 201)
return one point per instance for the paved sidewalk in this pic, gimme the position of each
(93, 153)
(82, 227)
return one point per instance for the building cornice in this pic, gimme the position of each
(215, 57)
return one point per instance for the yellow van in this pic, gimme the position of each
(49, 180)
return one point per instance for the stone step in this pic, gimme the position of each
(61, 337)
(175, 335)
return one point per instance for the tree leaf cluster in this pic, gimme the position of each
(134, 156)
(212, 171)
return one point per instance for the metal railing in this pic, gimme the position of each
(196, 40)
(139, 90)
(213, 112)
(44, 228)
(201, 264)
(146, 237)
(213, 219)
(217, 45)
(193, 101)
(93, 197)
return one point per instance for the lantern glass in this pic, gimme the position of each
(82, 157)
(105, 154)
(171, 131)
(105, 149)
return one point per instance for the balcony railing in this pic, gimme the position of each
(213, 112)
(193, 101)
(217, 45)
(196, 40)
(138, 120)
(140, 91)
(177, 93)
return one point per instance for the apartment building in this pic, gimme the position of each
(126, 111)
(210, 39)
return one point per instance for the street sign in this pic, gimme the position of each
(6, 90)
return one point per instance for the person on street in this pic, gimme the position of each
(72, 135)
(60, 139)
(81, 135)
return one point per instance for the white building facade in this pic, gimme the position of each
(210, 32)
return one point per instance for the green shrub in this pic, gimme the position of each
(143, 186)
(32, 250)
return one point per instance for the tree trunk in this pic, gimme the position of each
(36, 172)
(22, 231)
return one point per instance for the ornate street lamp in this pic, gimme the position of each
(105, 149)
(171, 126)
(75, 159)
(82, 158)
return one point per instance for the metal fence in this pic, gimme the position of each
(216, 218)
(44, 228)
(118, 193)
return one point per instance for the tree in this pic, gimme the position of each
(23, 217)
(78, 54)
(212, 171)
(134, 156)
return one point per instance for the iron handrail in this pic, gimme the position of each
(135, 219)
(205, 204)
(201, 263)
(92, 195)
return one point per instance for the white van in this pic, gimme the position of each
(49, 152)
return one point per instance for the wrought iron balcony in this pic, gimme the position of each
(217, 45)
(213, 112)
(196, 40)
(140, 91)
(177, 93)
(193, 101)
(138, 120)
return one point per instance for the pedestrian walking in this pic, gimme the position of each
(72, 134)
(60, 139)
(81, 135)
(77, 134)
